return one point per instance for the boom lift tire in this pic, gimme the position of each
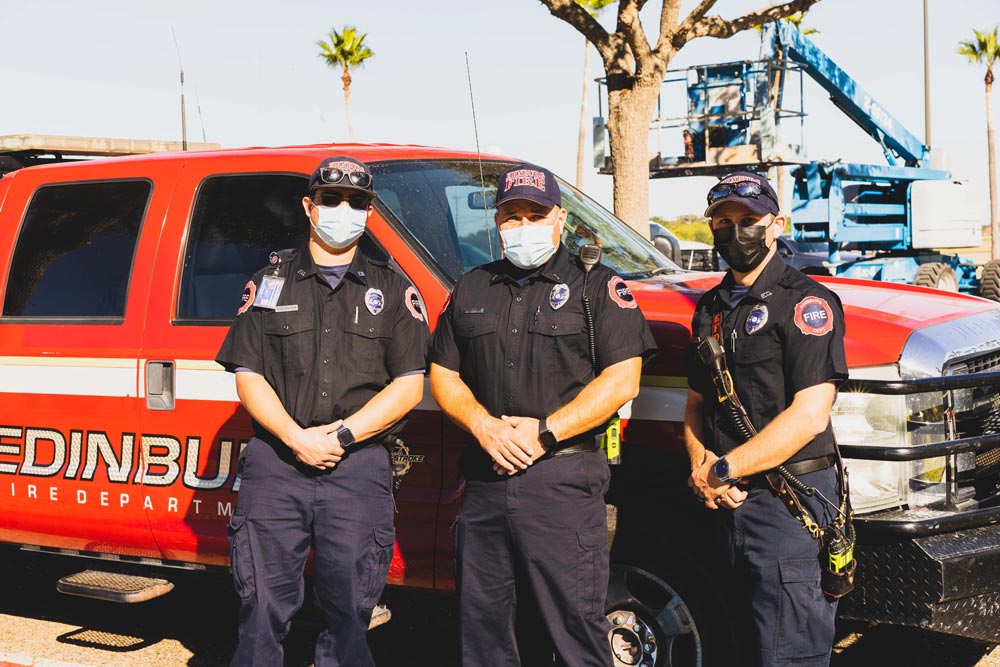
(937, 275)
(989, 283)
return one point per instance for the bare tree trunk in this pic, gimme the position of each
(630, 112)
(347, 104)
(582, 136)
(991, 152)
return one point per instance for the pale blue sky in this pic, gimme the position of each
(109, 68)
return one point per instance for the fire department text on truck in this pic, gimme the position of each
(46, 452)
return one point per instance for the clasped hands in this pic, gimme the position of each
(318, 446)
(512, 442)
(711, 490)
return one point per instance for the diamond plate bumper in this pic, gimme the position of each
(948, 582)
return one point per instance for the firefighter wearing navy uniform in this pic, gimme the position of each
(510, 363)
(328, 350)
(783, 338)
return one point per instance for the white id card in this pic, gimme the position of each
(270, 290)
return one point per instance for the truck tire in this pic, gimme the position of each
(937, 275)
(652, 624)
(989, 284)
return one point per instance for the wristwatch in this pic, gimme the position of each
(721, 470)
(345, 436)
(545, 436)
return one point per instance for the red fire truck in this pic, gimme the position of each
(119, 434)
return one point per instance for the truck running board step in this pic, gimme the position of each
(380, 616)
(113, 587)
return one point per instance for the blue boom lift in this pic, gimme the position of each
(736, 117)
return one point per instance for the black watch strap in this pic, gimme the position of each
(345, 436)
(545, 436)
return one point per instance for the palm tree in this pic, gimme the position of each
(984, 49)
(346, 50)
(593, 7)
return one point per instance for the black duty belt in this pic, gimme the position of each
(810, 465)
(589, 444)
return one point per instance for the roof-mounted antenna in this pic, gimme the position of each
(184, 129)
(482, 179)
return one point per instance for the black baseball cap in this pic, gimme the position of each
(526, 181)
(750, 189)
(342, 172)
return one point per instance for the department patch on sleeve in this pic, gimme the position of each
(249, 296)
(620, 293)
(813, 316)
(447, 300)
(412, 301)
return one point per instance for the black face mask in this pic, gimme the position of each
(743, 248)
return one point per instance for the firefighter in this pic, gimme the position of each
(328, 351)
(783, 338)
(509, 363)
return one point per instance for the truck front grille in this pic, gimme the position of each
(984, 419)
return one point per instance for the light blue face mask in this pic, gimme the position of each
(340, 226)
(528, 246)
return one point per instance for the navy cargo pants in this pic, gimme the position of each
(346, 516)
(776, 574)
(544, 530)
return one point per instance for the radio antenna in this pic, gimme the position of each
(184, 130)
(201, 120)
(479, 155)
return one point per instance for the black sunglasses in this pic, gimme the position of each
(332, 176)
(358, 202)
(750, 189)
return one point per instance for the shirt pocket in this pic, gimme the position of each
(291, 336)
(560, 343)
(365, 341)
(474, 325)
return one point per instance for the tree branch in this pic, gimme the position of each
(630, 27)
(669, 25)
(716, 26)
(578, 17)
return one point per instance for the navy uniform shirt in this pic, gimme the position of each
(327, 352)
(785, 335)
(523, 349)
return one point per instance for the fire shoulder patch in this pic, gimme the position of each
(412, 301)
(620, 293)
(813, 316)
(249, 296)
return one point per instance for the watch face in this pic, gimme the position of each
(722, 469)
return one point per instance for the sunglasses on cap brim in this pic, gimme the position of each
(746, 189)
(356, 201)
(332, 176)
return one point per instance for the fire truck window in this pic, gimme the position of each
(237, 222)
(75, 251)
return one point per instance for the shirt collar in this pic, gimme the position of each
(359, 268)
(762, 288)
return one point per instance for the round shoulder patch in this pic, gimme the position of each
(249, 296)
(813, 316)
(620, 293)
(412, 301)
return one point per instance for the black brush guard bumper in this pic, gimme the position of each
(938, 570)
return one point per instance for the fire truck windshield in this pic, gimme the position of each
(444, 205)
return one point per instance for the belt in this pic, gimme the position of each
(590, 444)
(810, 465)
(796, 469)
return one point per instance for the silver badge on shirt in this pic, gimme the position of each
(559, 296)
(374, 301)
(756, 319)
